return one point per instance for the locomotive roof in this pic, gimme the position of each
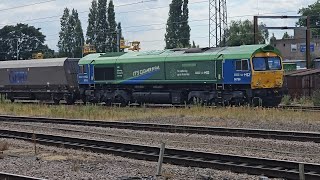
(32, 63)
(192, 54)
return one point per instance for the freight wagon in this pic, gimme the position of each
(229, 75)
(46, 79)
(302, 83)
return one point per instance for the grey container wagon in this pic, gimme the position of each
(46, 79)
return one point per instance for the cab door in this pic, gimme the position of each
(86, 75)
(236, 71)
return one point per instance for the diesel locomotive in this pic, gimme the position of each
(248, 74)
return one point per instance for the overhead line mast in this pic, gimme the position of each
(218, 22)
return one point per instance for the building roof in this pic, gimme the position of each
(32, 63)
(304, 72)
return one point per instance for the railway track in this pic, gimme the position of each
(169, 128)
(8, 176)
(238, 164)
(288, 107)
(301, 108)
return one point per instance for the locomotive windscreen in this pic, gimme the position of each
(266, 63)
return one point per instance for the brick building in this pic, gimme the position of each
(294, 49)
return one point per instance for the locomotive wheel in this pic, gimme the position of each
(108, 102)
(196, 101)
(211, 102)
(56, 101)
(122, 101)
(70, 101)
(12, 100)
(84, 100)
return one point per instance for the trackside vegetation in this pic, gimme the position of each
(197, 115)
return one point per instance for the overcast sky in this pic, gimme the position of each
(144, 21)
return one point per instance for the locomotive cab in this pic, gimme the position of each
(267, 77)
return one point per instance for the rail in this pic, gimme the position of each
(239, 164)
(8, 176)
(301, 108)
(170, 128)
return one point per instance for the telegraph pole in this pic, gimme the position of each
(118, 39)
(308, 39)
(17, 48)
(255, 30)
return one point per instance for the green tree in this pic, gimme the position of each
(21, 40)
(71, 35)
(286, 36)
(102, 26)
(314, 13)
(77, 34)
(65, 40)
(241, 33)
(112, 35)
(185, 28)
(172, 35)
(92, 23)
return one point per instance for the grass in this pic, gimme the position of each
(302, 101)
(200, 115)
(286, 100)
(316, 98)
(4, 146)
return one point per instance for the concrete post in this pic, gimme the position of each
(160, 161)
(301, 172)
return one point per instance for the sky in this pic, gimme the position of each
(145, 20)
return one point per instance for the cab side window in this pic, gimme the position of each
(242, 65)
(83, 69)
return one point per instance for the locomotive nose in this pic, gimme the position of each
(267, 80)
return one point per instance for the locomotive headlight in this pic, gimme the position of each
(279, 82)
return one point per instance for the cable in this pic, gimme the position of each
(109, 32)
(22, 6)
(155, 23)
(139, 10)
(108, 44)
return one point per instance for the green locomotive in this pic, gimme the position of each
(228, 75)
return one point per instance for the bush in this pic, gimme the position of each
(304, 100)
(316, 98)
(286, 100)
